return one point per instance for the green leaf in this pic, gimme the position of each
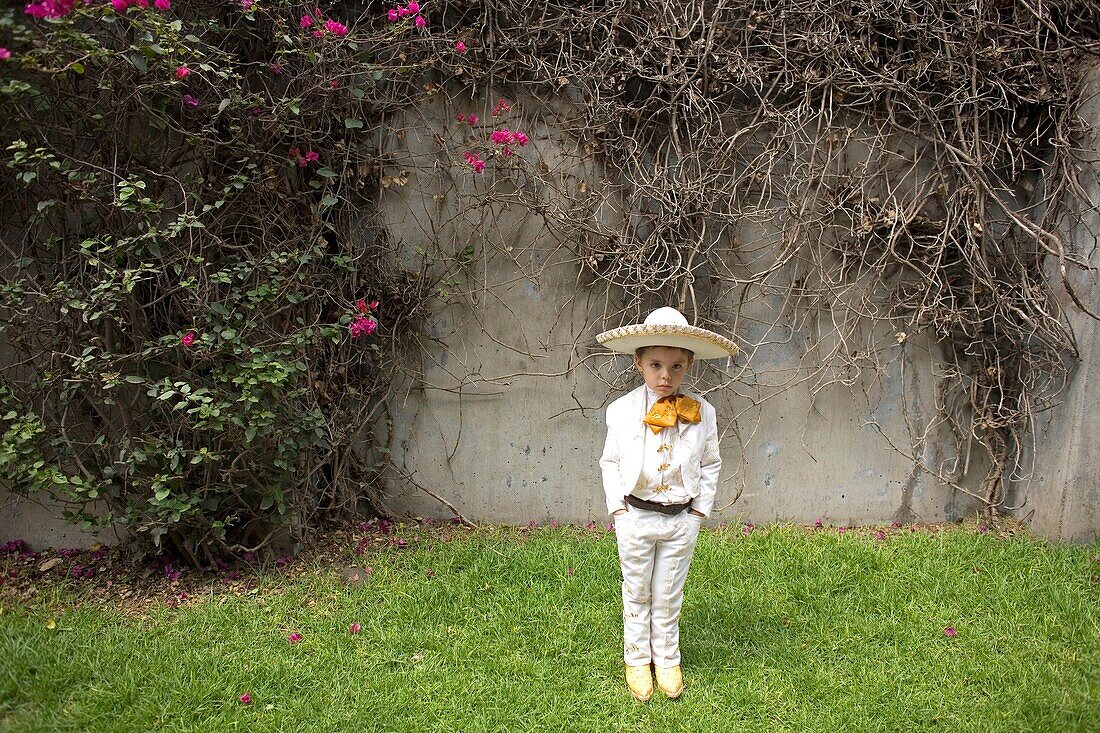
(77, 67)
(352, 124)
(329, 200)
(139, 62)
(224, 103)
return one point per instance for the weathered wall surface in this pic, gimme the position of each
(520, 448)
(506, 422)
(41, 525)
(1062, 500)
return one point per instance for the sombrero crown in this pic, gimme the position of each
(668, 327)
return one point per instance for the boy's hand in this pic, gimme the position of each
(618, 512)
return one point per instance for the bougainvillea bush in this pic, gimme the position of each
(192, 343)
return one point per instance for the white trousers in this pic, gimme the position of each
(654, 554)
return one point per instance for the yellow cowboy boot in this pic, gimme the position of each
(670, 681)
(639, 681)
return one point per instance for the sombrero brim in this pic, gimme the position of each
(703, 343)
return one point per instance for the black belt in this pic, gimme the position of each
(654, 506)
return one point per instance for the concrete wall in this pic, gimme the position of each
(515, 447)
(1062, 500)
(40, 524)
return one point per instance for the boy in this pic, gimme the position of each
(660, 472)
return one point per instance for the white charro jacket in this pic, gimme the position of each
(621, 462)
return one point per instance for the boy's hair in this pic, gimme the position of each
(640, 351)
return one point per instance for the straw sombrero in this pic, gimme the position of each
(668, 327)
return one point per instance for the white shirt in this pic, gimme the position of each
(661, 479)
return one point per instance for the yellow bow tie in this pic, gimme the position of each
(667, 410)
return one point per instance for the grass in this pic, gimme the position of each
(501, 630)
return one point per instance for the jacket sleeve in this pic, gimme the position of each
(609, 466)
(710, 466)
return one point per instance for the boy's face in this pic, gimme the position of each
(663, 368)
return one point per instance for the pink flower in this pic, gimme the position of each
(414, 7)
(294, 152)
(318, 33)
(460, 47)
(306, 21)
(373, 305)
(818, 523)
(880, 535)
(501, 106)
(188, 338)
(5, 54)
(474, 161)
(182, 72)
(747, 528)
(420, 22)
(520, 137)
(190, 101)
(120, 5)
(334, 84)
(355, 628)
(362, 326)
(335, 28)
(950, 632)
(461, 118)
(361, 305)
(276, 69)
(302, 162)
(402, 12)
(247, 4)
(472, 119)
(311, 156)
(163, 4)
(895, 524)
(245, 699)
(294, 637)
(392, 15)
(49, 8)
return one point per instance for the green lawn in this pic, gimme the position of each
(783, 630)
